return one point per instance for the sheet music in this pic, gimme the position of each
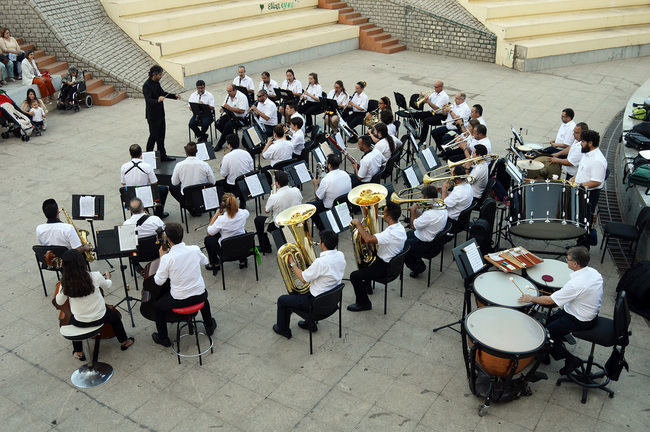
(412, 177)
(343, 212)
(326, 149)
(128, 238)
(332, 221)
(254, 186)
(514, 172)
(255, 139)
(428, 156)
(303, 174)
(320, 155)
(210, 198)
(150, 158)
(474, 257)
(144, 193)
(202, 152)
(87, 206)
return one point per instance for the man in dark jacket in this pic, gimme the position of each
(155, 110)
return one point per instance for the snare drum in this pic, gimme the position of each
(504, 341)
(496, 289)
(548, 210)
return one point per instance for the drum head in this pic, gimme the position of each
(556, 269)
(496, 289)
(535, 146)
(530, 165)
(505, 330)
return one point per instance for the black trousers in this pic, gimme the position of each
(262, 237)
(110, 317)
(417, 249)
(157, 135)
(561, 324)
(17, 63)
(362, 278)
(438, 135)
(212, 247)
(289, 303)
(593, 195)
(164, 190)
(227, 126)
(200, 125)
(175, 190)
(352, 118)
(166, 303)
(428, 119)
(309, 109)
(320, 208)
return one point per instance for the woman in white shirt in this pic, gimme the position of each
(341, 97)
(31, 75)
(384, 143)
(291, 84)
(357, 106)
(311, 100)
(228, 221)
(83, 290)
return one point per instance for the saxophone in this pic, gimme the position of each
(83, 236)
(368, 196)
(296, 218)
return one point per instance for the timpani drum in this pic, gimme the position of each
(550, 273)
(503, 341)
(495, 288)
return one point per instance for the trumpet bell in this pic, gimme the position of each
(295, 215)
(367, 194)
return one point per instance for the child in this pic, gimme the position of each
(38, 115)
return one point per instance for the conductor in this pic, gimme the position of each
(154, 96)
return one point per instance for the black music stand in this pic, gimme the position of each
(294, 177)
(428, 155)
(249, 96)
(329, 105)
(209, 149)
(108, 247)
(129, 192)
(266, 188)
(253, 140)
(410, 171)
(165, 169)
(411, 143)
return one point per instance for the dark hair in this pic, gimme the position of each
(50, 208)
(340, 83)
(135, 150)
(366, 140)
(315, 76)
(361, 84)
(569, 112)
(262, 93)
(75, 279)
(458, 170)
(334, 161)
(473, 122)
(278, 130)
(386, 116)
(233, 140)
(330, 239)
(296, 121)
(200, 83)
(480, 149)
(482, 129)
(580, 255)
(282, 178)
(174, 232)
(30, 90)
(386, 101)
(291, 104)
(429, 191)
(393, 211)
(583, 126)
(155, 70)
(266, 74)
(383, 130)
(290, 70)
(28, 53)
(190, 148)
(590, 136)
(479, 108)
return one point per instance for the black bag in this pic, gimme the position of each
(636, 283)
(480, 230)
(642, 128)
(637, 141)
(615, 364)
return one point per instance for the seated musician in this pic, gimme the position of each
(243, 80)
(383, 105)
(56, 233)
(460, 197)
(369, 164)
(228, 221)
(335, 183)
(311, 96)
(265, 112)
(284, 197)
(390, 242)
(579, 301)
(456, 113)
(294, 86)
(189, 172)
(200, 124)
(336, 131)
(425, 227)
(136, 172)
(181, 264)
(384, 142)
(235, 163)
(268, 85)
(431, 115)
(564, 136)
(297, 136)
(480, 172)
(83, 289)
(464, 143)
(324, 274)
(277, 149)
(237, 104)
(146, 225)
(386, 117)
(341, 97)
(291, 112)
(573, 153)
(476, 113)
(357, 107)
(464, 151)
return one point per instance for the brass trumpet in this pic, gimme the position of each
(373, 120)
(83, 236)
(422, 100)
(451, 179)
(441, 110)
(424, 203)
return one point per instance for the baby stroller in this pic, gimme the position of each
(71, 96)
(14, 119)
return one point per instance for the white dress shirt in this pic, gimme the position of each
(192, 171)
(392, 129)
(140, 175)
(335, 183)
(148, 227)
(295, 86)
(438, 99)
(429, 224)
(298, 141)
(593, 167)
(229, 227)
(316, 90)
(57, 234)
(481, 120)
(297, 114)
(390, 241)
(574, 157)
(581, 296)
(239, 101)
(268, 87)
(341, 99)
(383, 147)
(284, 198)
(565, 133)
(361, 100)
(480, 174)
(244, 82)
(461, 111)
(370, 164)
(206, 97)
(91, 307)
(269, 109)
(182, 266)
(326, 272)
(459, 199)
(279, 151)
(235, 163)
(485, 141)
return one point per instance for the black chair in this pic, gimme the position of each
(193, 202)
(607, 333)
(395, 269)
(39, 253)
(377, 177)
(146, 251)
(323, 306)
(234, 249)
(127, 193)
(437, 247)
(621, 231)
(488, 211)
(462, 224)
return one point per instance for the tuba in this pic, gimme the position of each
(83, 236)
(367, 196)
(296, 219)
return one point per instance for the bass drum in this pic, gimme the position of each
(548, 210)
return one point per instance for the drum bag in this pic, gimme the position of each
(640, 177)
(637, 141)
(503, 390)
(616, 363)
(642, 128)
(636, 283)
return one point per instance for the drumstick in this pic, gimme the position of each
(539, 290)
(513, 281)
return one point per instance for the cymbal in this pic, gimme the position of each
(530, 165)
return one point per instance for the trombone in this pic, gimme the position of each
(455, 143)
(447, 168)
(423, 203)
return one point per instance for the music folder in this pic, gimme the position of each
(263, 182)
(253, 138)
(429, 158)
(286, 95)
(145, 193)
(329, 105)
(89, 204)
(109, 244)
(412, 175)
(200, 109)
(298, 173)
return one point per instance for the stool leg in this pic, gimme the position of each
(385, 297)
(311, 349)
(178, 341)
(95, 350)
(198, 345)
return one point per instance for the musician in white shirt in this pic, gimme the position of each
(564, 136)
(290, 112)
(228, 221)
(341, 97)
(56, 233)
(136, 172)
(572, 153)
(357, 106)
(460, 197)
(291, 84)
(432, 114)
(297, 136)
(237, 103)
(311, 100)
(235, 163)
(323, 275)
(269, 85)
(284, 197)
(369, 164)
(476, 113)
(200, 123)
(384, 142)
(479, 172)
(386, 117)
(425, 227)
(335, 183)
(265, 112)
(181, 264)
(457, 113)
(390, 242)
(277, 149)
(190, 171)
(146, 225)
(465, 143)
(243, 80)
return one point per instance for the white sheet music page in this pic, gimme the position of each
(254, 186)
(144, 193)
(320, 155)
(412, 177)
(332, 221)
(428, 156)
(326, 149)
(343, 212)
(128, 238)
(87, 206)
(303, 173)
(255, 139)
(150, 158)
(202, 152)
(210, 198)
(474, 257)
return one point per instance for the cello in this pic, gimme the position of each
(151, 291)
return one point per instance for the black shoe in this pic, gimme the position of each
(167, 158)
(286, 333)
(546, 359)
(211, 328)
(202, 138)
(213, 267)
(308, 325)
(160, 341)
(356, 308)
(414, 274)
(570, 364)
(369, 290)
(218, 147)
(162, 215)
(243, 264)
(537, 376)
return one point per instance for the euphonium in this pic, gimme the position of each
(422, 99)
(373, 120)
(367, 196)
(83, 236)
(296, 219)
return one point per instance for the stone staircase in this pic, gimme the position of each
(103, 95)
(541, 34)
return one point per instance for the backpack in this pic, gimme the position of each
(636, 283)
(641, 112)
(480, 230)
(637, 141)
(640, 177)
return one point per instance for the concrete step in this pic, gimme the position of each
(38, 53)
(93, 83)
(353, 21)
(45, 60)
(109, 99)
(380, 36)
(55, 68)
(132, 7)
(100, 91)
(388, 42)
(332, 5)
(491, 9)
(393, 49)
(346, 10)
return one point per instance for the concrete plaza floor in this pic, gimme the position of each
(388, 372)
